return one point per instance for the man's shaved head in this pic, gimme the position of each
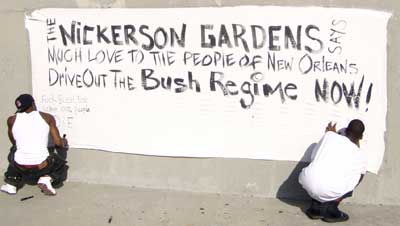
(355, 129)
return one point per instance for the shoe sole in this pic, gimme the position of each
(334, 220)
(8, 192)
(46, 190)
(313, 217)
(343, 217)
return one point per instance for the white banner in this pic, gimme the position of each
(238, 82)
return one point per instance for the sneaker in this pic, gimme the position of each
(9, 189)
(340, 217)
(313, 214)
(44, 184)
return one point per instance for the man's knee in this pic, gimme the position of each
(58, 170)
(13, 178)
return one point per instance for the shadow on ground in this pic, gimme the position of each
(291, 192)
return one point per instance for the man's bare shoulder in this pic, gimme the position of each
(11, 119)
(46, 116)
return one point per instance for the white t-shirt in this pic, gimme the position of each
(31, 133)
(335, 169)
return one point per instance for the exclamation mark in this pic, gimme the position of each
(369, 93)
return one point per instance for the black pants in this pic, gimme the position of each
(18, 176)
(328, 209)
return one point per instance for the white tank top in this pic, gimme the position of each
(31, 134)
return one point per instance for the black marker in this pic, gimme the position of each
(26, 198)
(66, 146)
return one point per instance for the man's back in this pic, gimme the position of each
(335, 169)
(31, 134)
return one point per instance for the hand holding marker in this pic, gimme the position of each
(65, 141)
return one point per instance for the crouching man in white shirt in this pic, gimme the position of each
(337, 166)
(29, 159)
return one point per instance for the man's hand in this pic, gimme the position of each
(64, 141)
(331, 127)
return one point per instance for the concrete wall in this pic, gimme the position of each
(234, 176)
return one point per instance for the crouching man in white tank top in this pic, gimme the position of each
(337, 166)
(29, 159)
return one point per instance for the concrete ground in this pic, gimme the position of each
(87, 204)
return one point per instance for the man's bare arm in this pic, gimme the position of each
(10, 123)
(54, 133)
